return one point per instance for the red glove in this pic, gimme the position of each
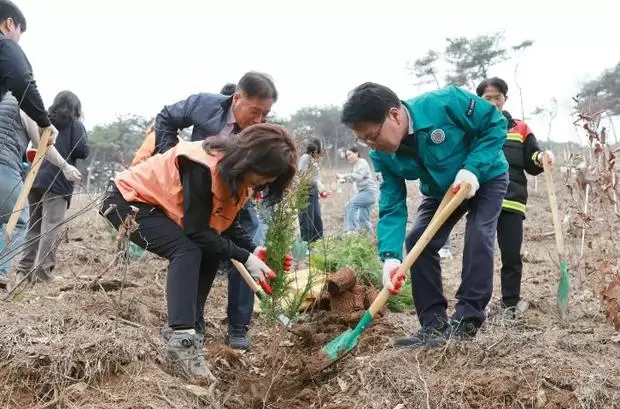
(324, 195)
(260, 272)
(261, 252)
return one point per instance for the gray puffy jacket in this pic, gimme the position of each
(13, 137)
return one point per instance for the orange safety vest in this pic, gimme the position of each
(147, 149)
(157, 182)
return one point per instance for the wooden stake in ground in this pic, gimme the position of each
(564, 283)
(23, 195)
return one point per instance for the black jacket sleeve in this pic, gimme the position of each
(17, 77)
(239, 236)
(197, 204)
(173, 118)
(79, 142)
(531, 150)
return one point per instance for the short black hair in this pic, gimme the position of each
(314, 146)
(228, 89)
(353, 149)
(495, 82)
(258, 85)
(368, 102)
(8, 9)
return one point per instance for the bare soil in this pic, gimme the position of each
(80, 348)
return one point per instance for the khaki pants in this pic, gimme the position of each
(47, 212)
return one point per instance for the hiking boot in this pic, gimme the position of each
(182, 346)
(238, 338)
(462, 330)
(166, 332)
(428, 336)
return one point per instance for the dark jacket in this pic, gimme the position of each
(72, 145)
(521, 150)
(16, 76)
(208, 113)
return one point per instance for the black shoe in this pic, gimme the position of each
(429, 336)
(237, 338)
(462, 330)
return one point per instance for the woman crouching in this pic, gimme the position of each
(188, 199)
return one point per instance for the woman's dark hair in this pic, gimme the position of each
(65, 108)
(265, 149)
(314, 147)
(354, 149)
(494, 82)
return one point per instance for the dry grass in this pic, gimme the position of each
(84, 349)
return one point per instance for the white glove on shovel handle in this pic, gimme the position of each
(390, 267)
(465, 176)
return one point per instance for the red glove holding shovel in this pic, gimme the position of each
(261, 252)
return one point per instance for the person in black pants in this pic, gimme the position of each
(186, 204)
(524, 156)
(310, 221)
(218, 114)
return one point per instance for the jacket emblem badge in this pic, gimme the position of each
(438, 136)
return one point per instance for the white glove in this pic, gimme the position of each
(72, 174)
(260, 272)
(465, 176)
(390, 267)
(550, 157)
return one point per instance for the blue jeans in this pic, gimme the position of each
(357, 210)
(476, 287)
(240, 296)
(10, 186)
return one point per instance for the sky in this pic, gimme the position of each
(135, 56)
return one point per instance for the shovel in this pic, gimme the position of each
(256, 289)
(23, 195)
(345, 342)
(564, 284)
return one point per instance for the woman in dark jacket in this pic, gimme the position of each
(51, 192)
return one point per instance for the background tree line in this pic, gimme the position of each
(462, 62)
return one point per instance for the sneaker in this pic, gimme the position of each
(238, 338)
(445, 254)
(182, 346)
(462, 330)
(4, 283)
(429, 336)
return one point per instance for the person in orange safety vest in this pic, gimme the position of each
(187, 201)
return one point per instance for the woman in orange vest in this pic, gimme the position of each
(186, 202)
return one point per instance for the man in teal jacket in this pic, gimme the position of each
(444, 138)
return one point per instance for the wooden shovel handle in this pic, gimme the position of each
(553, 205)
(246, 276)
(447, 206)
(32, 174)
